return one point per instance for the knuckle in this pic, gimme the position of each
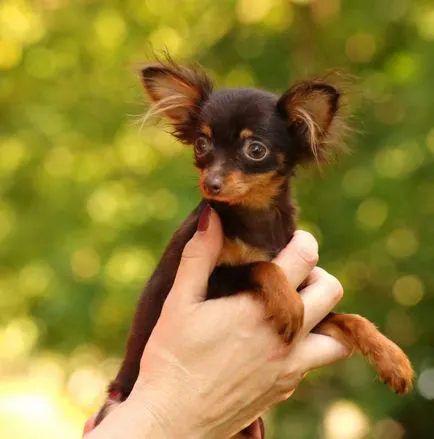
(290, 372)
(307, 247)
(335, 288)
(316, 275)
(309, 255)
(319, 273)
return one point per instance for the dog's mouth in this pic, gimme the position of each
(255, 430)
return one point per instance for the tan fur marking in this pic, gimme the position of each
(254, 191)
(246, 133)
(261, 189)
(237, 252)
(206, 129)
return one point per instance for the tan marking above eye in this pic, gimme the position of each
(206, 129)
(246, 133)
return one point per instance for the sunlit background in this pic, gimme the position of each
(89, 197)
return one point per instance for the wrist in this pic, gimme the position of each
(169, 407)
(129, 420)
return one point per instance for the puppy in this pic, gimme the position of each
(247, 144)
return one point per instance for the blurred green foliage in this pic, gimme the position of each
(89, 197)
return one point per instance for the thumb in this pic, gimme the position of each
(199, 258)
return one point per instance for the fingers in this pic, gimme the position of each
(298, 258)
(199, 258)
(320, 297)
(316, 351)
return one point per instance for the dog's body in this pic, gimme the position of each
(225, 280)
(247, 145)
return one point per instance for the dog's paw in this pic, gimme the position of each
(287, 319)
(395, 370)
(283, 305)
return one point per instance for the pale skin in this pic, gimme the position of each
(211, 368)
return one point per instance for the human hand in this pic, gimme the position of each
(211, 368)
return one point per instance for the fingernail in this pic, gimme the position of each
(115, 395)
(203, 223)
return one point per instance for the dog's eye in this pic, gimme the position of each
(202, 146)
(256, 150)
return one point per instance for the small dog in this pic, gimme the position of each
(247, 145)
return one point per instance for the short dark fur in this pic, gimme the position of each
(253, 200)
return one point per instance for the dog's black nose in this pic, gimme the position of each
(214, 184)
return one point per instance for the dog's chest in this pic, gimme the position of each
(237, 252)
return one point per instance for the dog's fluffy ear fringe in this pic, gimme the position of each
(177, 93)
(318, 110)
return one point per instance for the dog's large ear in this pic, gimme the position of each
(311, 109)
(178, 93)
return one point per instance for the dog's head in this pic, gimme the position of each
(246, 141)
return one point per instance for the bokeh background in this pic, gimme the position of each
(89, 196)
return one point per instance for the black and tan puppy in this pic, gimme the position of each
(247, 144)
